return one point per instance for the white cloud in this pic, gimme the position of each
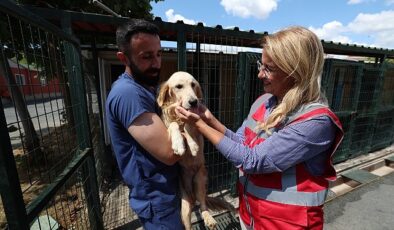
(373, 23)
(260, 9)
(379, 27)
(171, 17)
(332, 31)
(354, 2)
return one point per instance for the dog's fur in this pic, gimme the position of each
(183, 89)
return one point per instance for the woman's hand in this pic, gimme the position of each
(205, 114)
(187, 116)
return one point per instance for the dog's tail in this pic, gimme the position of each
(218, 204)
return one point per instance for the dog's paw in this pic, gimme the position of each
(178, 147)
(194, 148)
(209, 221)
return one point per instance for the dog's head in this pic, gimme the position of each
(181, 88)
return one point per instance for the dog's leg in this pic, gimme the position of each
(188, 200)
(201, 192)
(186, 213)
(176, 139)
(190, 132)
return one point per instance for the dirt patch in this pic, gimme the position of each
(58, 147)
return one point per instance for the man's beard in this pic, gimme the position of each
(142, 77)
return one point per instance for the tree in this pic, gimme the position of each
(126, 8)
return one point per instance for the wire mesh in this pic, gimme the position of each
(37, 87)
(215, 67)
(383, 129)
(362, 131)
(36, 109)
(341, 82)
(369, 89)
(102, 154)
(343, 152)
(387, 94)
(3, 221)
(68, 208)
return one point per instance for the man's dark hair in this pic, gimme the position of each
(125, 32)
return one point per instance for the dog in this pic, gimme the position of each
(184, 90)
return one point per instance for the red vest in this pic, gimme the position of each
(292, 199)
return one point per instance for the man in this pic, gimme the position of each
(139, 138)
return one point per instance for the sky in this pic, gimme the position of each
(360, 22)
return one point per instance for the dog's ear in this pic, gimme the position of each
(163, 94)
(198, 91)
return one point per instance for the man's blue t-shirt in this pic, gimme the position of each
(153, 184)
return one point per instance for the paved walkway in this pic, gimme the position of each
(370, 207)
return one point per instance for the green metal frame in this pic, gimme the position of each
(18, 215)
(10, 189)
(182, 34)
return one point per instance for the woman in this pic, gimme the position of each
(284, 147)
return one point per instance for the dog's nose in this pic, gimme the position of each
(193, 102)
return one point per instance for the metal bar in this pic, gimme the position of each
(35, 207)
(181, 46)
(78, 97)
(10, 189)
(106, 8)
(94, 204)
(53, 14)
(239, 102)
(97, 85)
(94, 207)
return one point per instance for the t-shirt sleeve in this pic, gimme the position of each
(126, 104)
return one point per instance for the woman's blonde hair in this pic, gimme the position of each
(299, 53)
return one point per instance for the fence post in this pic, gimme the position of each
(10, 189)
(78, 97)
(181, 47)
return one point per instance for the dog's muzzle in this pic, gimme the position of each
(193, 103)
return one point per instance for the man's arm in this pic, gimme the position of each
(151, 133)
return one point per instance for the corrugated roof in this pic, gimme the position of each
(104, 25)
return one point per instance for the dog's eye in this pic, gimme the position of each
(193, 84)
(178, 86)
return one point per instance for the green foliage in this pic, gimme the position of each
(33, 46)
(126, 8)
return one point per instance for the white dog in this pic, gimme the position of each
(182, 89)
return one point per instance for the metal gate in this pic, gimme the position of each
(47, 170)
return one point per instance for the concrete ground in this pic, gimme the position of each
(369, 207)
